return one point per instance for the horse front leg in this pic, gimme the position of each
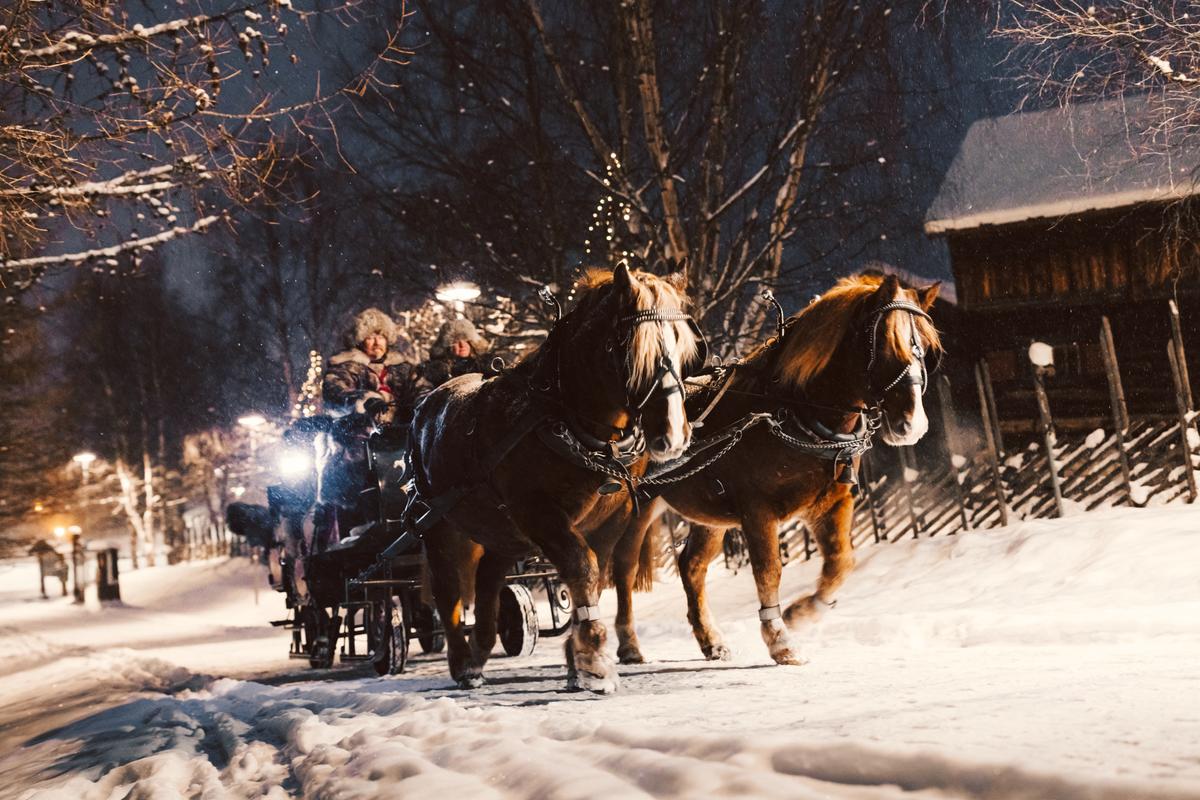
(832, 532)
(762, 542)
(489, 579)
(703, 544)
(588, 665)
(633, 568)
(442, 551)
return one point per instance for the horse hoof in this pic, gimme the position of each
(598, 684)
(718, 652)
(473, 681)
(788, 658)
(630, 656)
(802, 612)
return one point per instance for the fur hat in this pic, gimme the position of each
(458, 330)
(372, 320)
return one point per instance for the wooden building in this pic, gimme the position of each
(1057, 218)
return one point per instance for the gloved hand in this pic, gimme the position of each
(375, 406)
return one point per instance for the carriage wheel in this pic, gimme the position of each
(396, 641)
(429, 633)
(381, 621)
(320, 635)
(517, 620)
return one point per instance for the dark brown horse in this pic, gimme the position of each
(796, 414)
(544, 457)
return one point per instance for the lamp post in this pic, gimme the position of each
(1041, 355)
(84, 460)
(458, 293)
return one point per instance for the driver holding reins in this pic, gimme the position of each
(377, 376)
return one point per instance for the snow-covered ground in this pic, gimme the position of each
(1053, 659)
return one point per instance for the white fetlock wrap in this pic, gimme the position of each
(585, 613)
(768, 613)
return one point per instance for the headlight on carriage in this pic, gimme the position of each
(294, 464)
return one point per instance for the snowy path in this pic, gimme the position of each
(1056, 659)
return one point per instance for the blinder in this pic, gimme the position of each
(908, 376)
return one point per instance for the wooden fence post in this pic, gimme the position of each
(1182, 409)
(950, 432)
(1047, 424)
(917, 522)
(1116, 396)
(983, 384)
(1180, 356)
(877, 527)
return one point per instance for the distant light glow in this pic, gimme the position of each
(60, 531)
(294, 463)
(252, 420)
(84, 459)
(74, 529)
(459, 291)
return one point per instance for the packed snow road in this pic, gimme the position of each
(1054, 659)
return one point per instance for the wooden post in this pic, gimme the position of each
(908, 494)
(989, 435)
(1181, 409)
(990, 399)
(1047, 424)
(1116, 396)
(1180, 355)
(950, 431)
(877, 528)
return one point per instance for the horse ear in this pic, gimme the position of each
(622, 279)
(677, 279)
(927, 295)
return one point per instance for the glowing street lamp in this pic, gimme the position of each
(84, 460)
(252, 421)
(1041, 354)
(457, 293)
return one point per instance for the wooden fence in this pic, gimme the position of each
(979, 481)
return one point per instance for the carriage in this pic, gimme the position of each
(362, 595)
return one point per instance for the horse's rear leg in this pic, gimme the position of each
(628, 567)
(489, 579)
(702, 546)
(832, 533)
(443, 550)
(762, 542)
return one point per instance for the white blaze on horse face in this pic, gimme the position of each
(918, 421)
(677, 424)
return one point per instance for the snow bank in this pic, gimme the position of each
(1052, 659)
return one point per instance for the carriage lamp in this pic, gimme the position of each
(294, 463)
(1041, 354)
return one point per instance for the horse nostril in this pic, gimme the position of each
(904, 428)
(660, 443)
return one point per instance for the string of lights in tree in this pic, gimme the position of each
(609, 237)
(310, 393)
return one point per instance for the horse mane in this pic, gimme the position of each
(816, 332)
(650, 292)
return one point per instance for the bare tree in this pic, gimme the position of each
(118, 118)
(703, 136)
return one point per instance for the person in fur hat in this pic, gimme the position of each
(377, 375)
(459, 350)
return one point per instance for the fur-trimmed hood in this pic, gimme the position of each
(456, 330)
(372, 320)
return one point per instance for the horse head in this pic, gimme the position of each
(863, 346)
(342, 465)
(627, 346)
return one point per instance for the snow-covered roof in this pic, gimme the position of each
(1047, 164)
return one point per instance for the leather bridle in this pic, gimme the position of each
(907, 375)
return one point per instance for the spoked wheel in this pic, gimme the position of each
(429, 630)
(517, 620)
(395, 641)
(320, 643)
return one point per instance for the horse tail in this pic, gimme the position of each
(644, 581)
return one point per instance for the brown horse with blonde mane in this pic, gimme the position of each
(789, 424)
(545, 457)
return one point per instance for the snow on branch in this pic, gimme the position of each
(65, 259)
(120, 185)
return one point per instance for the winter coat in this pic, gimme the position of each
(352, 379)
(443, 364)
